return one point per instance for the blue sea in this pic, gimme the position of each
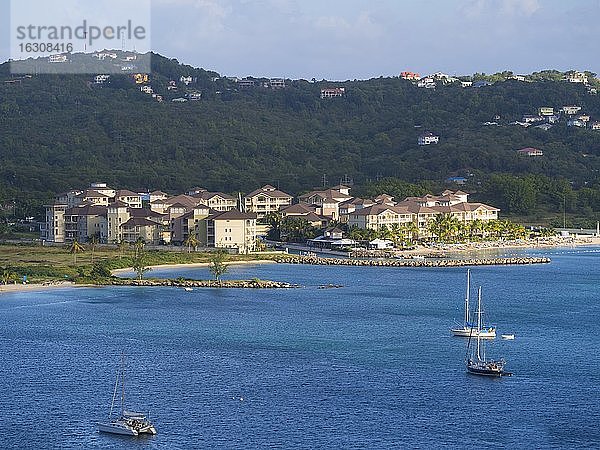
(371, 365)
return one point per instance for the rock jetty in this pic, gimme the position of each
(292, 259)
(237, 284)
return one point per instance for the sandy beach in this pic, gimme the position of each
(37, 286)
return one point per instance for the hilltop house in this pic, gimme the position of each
(410, 75)
(576, 77)
(333, 92)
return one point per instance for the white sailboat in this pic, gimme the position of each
(128, 422)
(476, 362)
(469, 329)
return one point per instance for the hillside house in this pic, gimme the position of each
(277, 83)
(576, 77)
(530, 151)
(333, 92)
(571, 110)
(246, 83)
(187, 80)
(410, 76)
(546, 111)
(428, 139)
(576, 123)
(101, 79)
(57, 59)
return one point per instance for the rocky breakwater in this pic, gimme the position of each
(292, 259)
(237, 284)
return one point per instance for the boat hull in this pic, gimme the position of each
(487, 369)
(488, 333)
(117, 428)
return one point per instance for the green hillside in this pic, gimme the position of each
(61, 132)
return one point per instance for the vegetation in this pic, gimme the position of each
(45, 263)
(59, 132)
(217, 264)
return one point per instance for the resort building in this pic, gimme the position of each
(266, 200)
(415, 213)
(233, 230)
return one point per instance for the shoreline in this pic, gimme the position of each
(486, 246)
(195, 265)
(46, 286)
(465, 250)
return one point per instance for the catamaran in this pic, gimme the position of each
(476, 362)
(128, 422)
(469, 329)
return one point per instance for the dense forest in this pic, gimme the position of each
(59, 132)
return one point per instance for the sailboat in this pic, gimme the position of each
(476, 362)
(469, 329)
(128, 422)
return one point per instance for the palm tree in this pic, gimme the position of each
(93, 244)
(138, 246)
(122, 246)
(191, 241)
(412, 231)
(437, 227)
(75, 248)
(217, 264)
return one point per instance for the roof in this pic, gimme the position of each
(208, 195)
(298, 208)
(139, 221)
(233, 214)
(328, 193)
(268, 191)
(126, 193)
(144, 212)
(118, 204)
(86, 210)
(92, 193)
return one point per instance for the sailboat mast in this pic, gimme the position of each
(467, 296)
(478, 323)
(122, 383)
(112, 404)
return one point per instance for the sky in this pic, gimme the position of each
(360, 39)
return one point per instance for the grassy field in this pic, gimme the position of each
(43, 263)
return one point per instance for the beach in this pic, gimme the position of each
(469, 250)
(37, 286)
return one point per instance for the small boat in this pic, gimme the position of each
(508, 337)
(476, 362)
(469, 329)
(128, 423)
(188, 289)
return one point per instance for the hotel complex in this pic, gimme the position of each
(220, 220)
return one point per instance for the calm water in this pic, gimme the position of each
(371, 365)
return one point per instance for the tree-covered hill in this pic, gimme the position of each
(63, 131)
